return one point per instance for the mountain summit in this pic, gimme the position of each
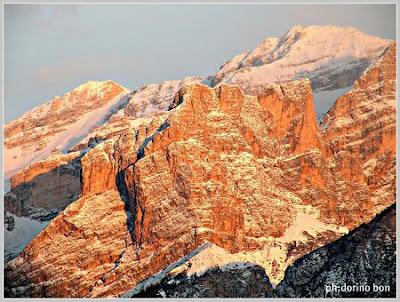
(331, 57)
(57, 124)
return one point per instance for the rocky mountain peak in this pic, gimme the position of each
(253, 176)
(335, 57)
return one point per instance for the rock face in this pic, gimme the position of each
(366, 256)
(332, 57)
(360, 129)
(58, 123)
(253, 176)
(95, 225)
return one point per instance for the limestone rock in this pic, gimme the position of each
(359, 132)
(93, 233)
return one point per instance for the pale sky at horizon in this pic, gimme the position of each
(51, 49)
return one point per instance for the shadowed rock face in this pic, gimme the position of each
(51, 184)
(366, 256)
(254, 176)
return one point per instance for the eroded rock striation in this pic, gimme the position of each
(94, 229)
(360, 131)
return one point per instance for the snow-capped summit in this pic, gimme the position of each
(58, 123)
(96, 87)
(331, 56)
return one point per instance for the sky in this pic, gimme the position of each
(51, 49)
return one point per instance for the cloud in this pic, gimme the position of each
(88, 67)
(66, 70)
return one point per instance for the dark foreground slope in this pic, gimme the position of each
(366, 256)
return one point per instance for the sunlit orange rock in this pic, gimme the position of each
(360, 132)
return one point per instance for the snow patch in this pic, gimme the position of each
(94, 118)
(307, 222)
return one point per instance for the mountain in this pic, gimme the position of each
(330, 56)
(242, 178)
(47, 186)
(58, 124)
(120, 188)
